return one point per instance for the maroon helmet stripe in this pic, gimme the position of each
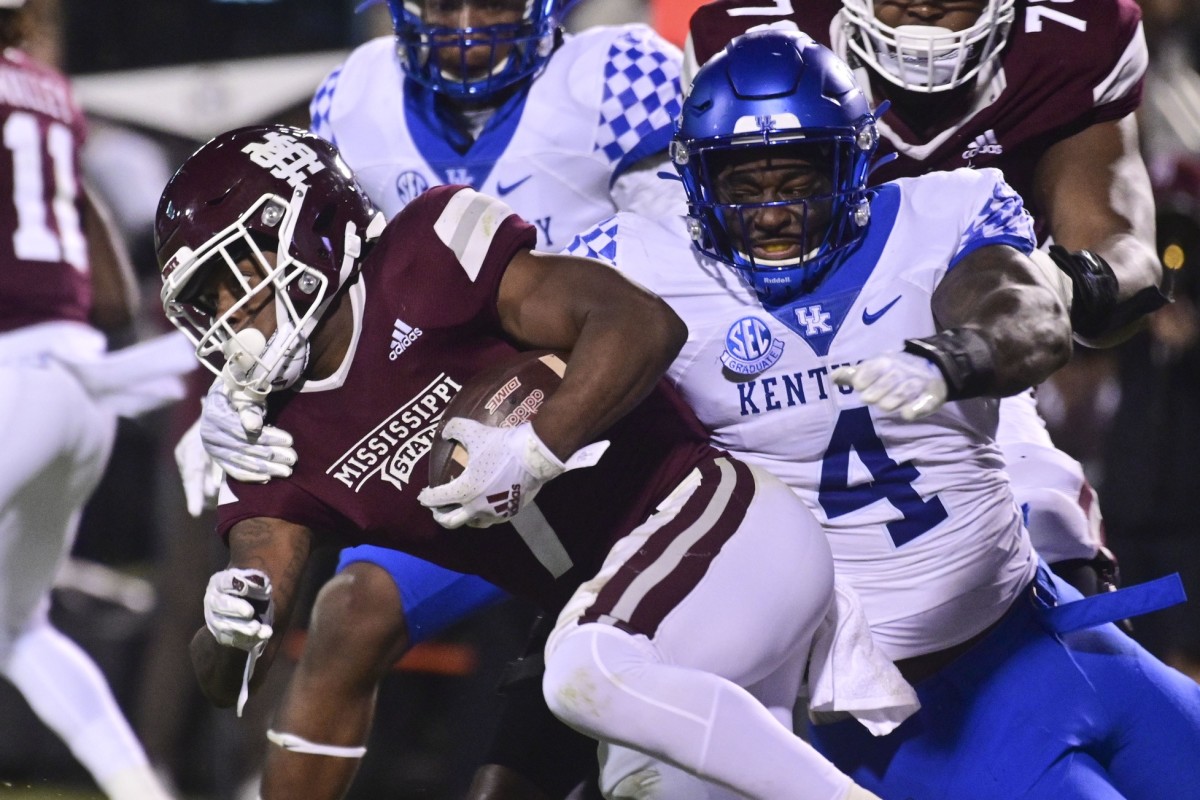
(675, 558)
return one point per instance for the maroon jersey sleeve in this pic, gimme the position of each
(475, 237)
(43, 252)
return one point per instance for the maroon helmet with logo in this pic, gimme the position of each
(264, 189)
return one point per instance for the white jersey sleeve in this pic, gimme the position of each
(318, 107)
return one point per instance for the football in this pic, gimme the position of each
(503, 396)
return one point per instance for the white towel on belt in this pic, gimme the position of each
(849, 674)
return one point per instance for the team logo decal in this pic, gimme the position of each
(409, 185)
(403, 335)
(815, 320)
(286, 157)
(750, 348)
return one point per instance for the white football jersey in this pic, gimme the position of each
(607, 99)
(920, 516)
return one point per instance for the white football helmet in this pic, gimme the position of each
(926, 58)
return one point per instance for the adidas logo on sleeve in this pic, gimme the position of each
(984, 143)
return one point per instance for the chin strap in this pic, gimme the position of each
(298, 744)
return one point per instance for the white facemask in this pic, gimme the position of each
(917, 57)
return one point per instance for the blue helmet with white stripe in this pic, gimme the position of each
(475, 63)
(772, 94)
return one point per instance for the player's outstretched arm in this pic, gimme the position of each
(621, 337)
(247, 604)
(1100, 208)
(1004, 326)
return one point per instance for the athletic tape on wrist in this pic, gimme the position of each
(298, 744)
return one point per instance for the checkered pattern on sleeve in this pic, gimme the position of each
(642, 95)
(599, 242)
(321, 104)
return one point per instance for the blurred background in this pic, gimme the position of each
(159, 78)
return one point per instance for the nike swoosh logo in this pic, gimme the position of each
(503, 190)
(871, 319)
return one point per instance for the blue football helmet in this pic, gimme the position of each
(529, 44)
(769, 93)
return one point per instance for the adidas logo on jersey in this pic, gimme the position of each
(402, 336)
(984, 143)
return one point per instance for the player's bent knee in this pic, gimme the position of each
(583, 684)
(357, 615)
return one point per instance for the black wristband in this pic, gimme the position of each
(1095, 311)
(965, 358)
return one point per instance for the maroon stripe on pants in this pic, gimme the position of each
(661, 598)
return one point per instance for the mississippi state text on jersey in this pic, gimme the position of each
(365, 431)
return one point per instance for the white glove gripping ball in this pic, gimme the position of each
(505, 468)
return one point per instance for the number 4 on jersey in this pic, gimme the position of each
(891, 481)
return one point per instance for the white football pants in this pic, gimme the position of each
(684, 655)
(56, 442)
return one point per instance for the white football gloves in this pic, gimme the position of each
(505, 468)
(230, 438)
(233, 433)
(230, 610)
(892, 381)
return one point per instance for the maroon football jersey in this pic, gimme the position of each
(426, 322)
(1067, 66)
(43, 253)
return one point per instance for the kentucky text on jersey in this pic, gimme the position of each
(773, 392)
(399, 442)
